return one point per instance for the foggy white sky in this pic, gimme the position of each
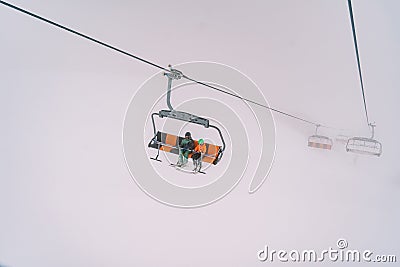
(66, 196)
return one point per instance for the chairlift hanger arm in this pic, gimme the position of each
(172, 75)
(372, 130)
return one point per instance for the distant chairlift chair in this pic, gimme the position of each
(319, 141)
(365, 145)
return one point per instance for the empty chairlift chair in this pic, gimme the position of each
(319, 141)
(365, 145)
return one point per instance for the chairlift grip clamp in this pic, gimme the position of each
(174, 74)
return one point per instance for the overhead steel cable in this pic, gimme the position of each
(151, 63)
(82, 35)
(353, 27)
(250, 101)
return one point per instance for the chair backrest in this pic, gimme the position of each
(320, 141)
(170, 143)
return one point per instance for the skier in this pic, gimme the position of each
(185, 147)
(197, 157)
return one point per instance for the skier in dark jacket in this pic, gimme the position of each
(185, 147)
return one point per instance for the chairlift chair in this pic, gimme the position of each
(365, 145)
(169, 142)
(319, 141)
